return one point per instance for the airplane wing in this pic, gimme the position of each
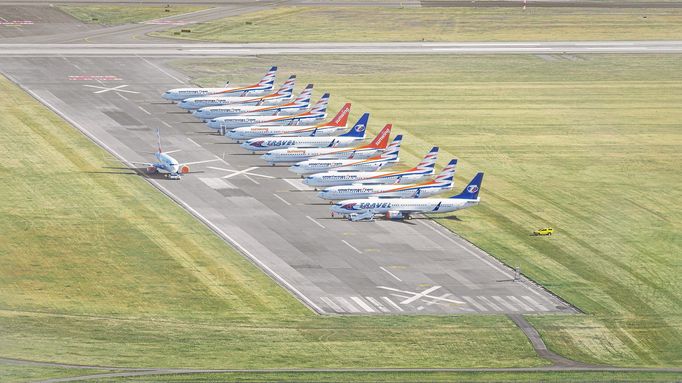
(143, 163)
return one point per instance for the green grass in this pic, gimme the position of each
(124, 14)
(15, 373)
(97, 267)
(487, 377)
(590, 145)
(334, 24)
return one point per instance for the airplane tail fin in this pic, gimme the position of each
(158, 139)
(303, 98)
(429, 161)
(447, 175)
(268, 80)
(392, 151)
(359, 129)
(288, 87)
(341, 118)
(472, 189)
(381, 140)
(321, 106)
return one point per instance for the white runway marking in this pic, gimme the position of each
(282, 199)
(117, 89)
(144, 110)
(184, 204)
(351, 246)
(489, 303)
(238, 172)
(347, 305)
(315, 221)
(161, 70)
(518, 302)
(297, 184)
(251, 179)
(474, 303)
(390, 302)
(535, 303)
(378, 304)
(421, 295)
(333, 305)
(199, 162)
(390, 273)
(363, 305)
(504, 303)
(122, 96)
(192, 141)
(165, 123)
(235, 172)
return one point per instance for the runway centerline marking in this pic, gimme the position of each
(315, 221)
(161, 70)
(144, 110)
(282, 199)
(390, 273)
(351, 246)
(104, 89)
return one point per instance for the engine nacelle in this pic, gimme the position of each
(184, 169)
(152, 169)
(395, 215)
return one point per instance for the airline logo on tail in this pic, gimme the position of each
(341, 118)
(472, 188)
(288, 87)
(269, 78)
(429, 161)
(448, 173)
(304, 97)
(321, 106)
(393, 149)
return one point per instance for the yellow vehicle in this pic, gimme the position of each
(545, 231)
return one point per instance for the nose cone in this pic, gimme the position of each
(297, 168)
(199, 113)
(266, 156)
(246, 145)
(184, 104)
(233, 134)
(213, 124)
(167, 95)
(324, 194)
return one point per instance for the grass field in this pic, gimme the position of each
(334, 24)
(97, 267)
(12, 373)
(487, 377)
(124, 14)
(589, 145)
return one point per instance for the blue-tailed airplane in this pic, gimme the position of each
(404, 208)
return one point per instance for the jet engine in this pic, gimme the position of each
(184, 169)
(395, 215)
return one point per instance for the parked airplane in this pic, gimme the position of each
(338, 123)
(297, 153)
(246, 123)
(263, 86)
(354, 135)
(284, 94)
(442, 182)
(166, 163)
(347, 177)
(388, 158)
(404, 208)
(300, 104)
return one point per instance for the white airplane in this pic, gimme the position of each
(388, 158)
(354, 135)
(263, 86)
(298, 153)
(404, 208)
(338, 123)
(300, 104)
(167, 164)
(442, 182)
(210, 105)
(243, 124)
(418, 173)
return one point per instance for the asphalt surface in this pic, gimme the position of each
(219, 50)
(332, 265)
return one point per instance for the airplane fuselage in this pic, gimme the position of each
(248, 120)
(324, 165)
(179, 94)
(392, 191)
(400, 205)
(271, 143)
(195, 103)
(296, 154)
(216, 108)
(335, 178)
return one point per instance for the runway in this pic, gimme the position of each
(332, 265)
(218, 50)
